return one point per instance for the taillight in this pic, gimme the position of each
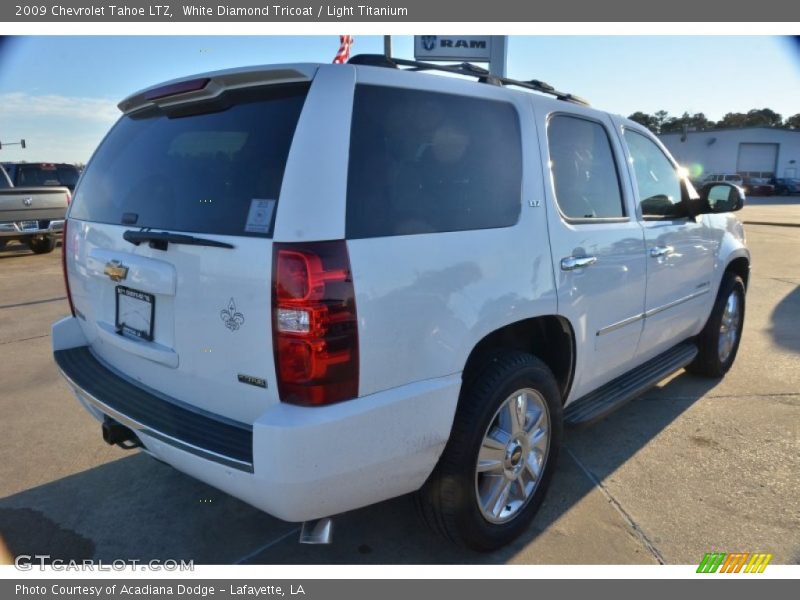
(64, 238)
(314, 325)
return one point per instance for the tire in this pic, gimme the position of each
(42, 245)
(719, 341)
(457, 500)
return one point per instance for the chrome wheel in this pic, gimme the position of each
(729, 327)
(512, 456)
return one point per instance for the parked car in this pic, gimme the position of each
(317, 287)
(32, 215)
(732, 178)
(43, 174)
(786, 186)
(758, 186)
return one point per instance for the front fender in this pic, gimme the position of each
(731, 244)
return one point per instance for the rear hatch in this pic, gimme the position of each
(169, 242)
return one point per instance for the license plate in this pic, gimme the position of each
(29, 225)
(135, 312)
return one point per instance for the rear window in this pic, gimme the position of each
(218, 171)
(424, 162)
(35, 175)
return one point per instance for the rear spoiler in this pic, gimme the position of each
(210, 85)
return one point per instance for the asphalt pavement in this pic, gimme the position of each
(783, 211)
(692, 466)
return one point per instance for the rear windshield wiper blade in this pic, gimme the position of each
(160, 239)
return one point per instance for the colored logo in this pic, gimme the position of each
(115, 270)
(738, 562)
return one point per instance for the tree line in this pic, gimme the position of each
(662, 122)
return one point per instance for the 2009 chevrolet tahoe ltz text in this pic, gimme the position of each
(316, 287)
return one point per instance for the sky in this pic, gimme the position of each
(59, 93)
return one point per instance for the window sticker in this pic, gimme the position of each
(259, 217)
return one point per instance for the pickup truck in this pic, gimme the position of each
(33, 215)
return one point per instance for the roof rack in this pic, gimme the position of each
(468, 69)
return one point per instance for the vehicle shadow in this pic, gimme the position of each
(785, 321)
(132, 508)
(138, 508)
(18, 249)
(13, 250)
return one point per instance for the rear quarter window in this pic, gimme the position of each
(215, 169)
(425, 162)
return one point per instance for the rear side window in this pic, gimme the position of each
(425, 162)
(218, 171)
(584, 171)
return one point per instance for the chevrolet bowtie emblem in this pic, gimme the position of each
(116, 270)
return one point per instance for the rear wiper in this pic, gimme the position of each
(160, 239)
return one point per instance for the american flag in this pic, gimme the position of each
(345, 41)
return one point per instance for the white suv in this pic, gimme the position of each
(317, 287)
(732, 178)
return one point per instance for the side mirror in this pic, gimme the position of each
(721, 198)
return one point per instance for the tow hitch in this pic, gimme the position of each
(116, 434)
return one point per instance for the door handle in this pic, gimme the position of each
(577, 262)
(659, 251)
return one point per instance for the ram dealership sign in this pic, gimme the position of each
(453, 47)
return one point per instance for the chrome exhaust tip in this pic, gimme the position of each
(319, 531)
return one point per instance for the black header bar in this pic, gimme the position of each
(456, 11)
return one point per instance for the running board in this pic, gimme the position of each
(597, 404)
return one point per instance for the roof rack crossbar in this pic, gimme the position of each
(467, 69)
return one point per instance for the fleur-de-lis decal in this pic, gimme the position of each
(231, 317)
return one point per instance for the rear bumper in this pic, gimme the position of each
(146, 412)
(296, 463)
(14, 229)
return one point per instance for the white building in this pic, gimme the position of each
(749, 151)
